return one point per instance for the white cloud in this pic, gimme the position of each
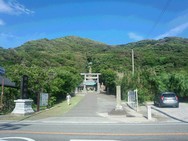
(6, 35)
(13, 7)
(4, 7)
(182, 18)
(134, 36)
(8, 40)
(2, 22)
(174, 31)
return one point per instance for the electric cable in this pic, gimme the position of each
(158, 18)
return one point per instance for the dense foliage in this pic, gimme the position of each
(54, 66)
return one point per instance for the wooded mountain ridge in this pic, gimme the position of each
(167, 54)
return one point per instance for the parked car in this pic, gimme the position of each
(166, 99)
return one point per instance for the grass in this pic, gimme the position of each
(56, 111)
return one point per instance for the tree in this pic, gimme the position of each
(108, 77)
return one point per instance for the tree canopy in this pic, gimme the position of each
(54, 66)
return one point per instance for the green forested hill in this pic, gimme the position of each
(68, 51)
(167, 53)
(155, 61)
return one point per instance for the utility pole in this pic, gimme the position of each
(132, 62)
(2, 93)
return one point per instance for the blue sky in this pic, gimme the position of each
(109, 21)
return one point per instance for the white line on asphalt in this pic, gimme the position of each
(22, 138)
(97, 124)
(92, 140)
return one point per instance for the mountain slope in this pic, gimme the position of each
(168, 53)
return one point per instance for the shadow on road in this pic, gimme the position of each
(9, 126)
(169, 115)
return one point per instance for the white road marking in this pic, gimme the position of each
(92, 140)
(22, 138)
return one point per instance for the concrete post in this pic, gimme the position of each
(84, 88)
(118, 98)
(84, 77)
(149, 112)
(98, 88)
(97, 78)
(76, 90)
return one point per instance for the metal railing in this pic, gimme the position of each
(133, 99)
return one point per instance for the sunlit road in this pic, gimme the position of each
(69, 132)
(178, 114)
(84, 123)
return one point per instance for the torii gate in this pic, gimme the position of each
(91, 79)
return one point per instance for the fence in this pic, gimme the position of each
(133, 99)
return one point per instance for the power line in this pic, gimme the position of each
(159, 17)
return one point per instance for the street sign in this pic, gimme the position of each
(44, 99)
(2, 71)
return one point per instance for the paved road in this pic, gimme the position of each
(89, 121)
(175, 114)
(67, 132)
(168, 114)
(93, 108)
(92, 105)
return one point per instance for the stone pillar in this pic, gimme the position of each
(84, 88)
(97, 78)
(84, 77)
(98, 88)
(23, 107)
(76, 90)
(118, 98)
(149, 112)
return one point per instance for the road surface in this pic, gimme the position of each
(85, 123)
(112, 131)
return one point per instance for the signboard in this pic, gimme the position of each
(24, 87)
(2, 71)
(133, 99)
(44, 99)
(132, 96)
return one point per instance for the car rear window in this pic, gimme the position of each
(169, 95)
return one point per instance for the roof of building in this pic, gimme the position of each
(7, 82)
(88, 83)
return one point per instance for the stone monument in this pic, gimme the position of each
(119, 110)
(23, 105)
(118, 98)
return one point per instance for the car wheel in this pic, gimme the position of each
(177, 106)
(155, 104)
(159, 105)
